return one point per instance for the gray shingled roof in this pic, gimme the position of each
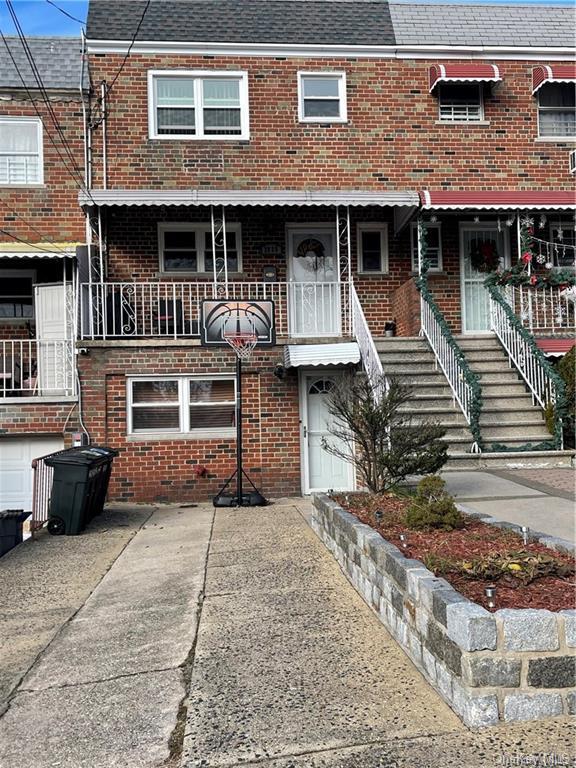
(454, 24)
(329, 22)
(57, 59)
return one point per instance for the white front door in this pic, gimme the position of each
(314, 287)
(53, 308)
(322, 470)
(475, 239)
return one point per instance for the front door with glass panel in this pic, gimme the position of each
(482, 249)
(322, 470)
(314, 288)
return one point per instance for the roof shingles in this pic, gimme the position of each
(57, 59)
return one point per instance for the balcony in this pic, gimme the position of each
(544, 311)
(35, 368)
(170, 310)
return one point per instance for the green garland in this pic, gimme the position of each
(470, 377)
(560, 405)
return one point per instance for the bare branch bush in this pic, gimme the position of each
(381, 438)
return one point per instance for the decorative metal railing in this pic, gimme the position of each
(173, 310)
(553, 254)
(464, 383)
(545, 384)
(37, 368)
(368, 352)
(549, 309)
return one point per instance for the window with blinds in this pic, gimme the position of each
(20, 151)
(198, 105)
(203, 406)
(557, 110)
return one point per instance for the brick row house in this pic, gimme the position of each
(322, 155)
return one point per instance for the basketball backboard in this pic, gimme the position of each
(243, 317)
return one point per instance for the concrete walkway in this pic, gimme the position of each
(228, 638)
(542, 499)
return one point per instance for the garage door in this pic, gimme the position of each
(16, 456)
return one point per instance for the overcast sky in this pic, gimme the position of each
(39, 17)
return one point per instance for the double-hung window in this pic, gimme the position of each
(372, 248)
(433, 247)
(198, 105)
(21, 151)
(460, 102)
(322, 97)
(557, 110)
(201, 406)
(190, 248)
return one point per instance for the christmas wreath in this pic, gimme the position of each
(484, 256)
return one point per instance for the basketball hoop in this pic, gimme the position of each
(242, 343)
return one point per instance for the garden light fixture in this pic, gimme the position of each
(490, 593)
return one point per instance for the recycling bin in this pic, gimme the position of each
(79, 487)
(11, 521)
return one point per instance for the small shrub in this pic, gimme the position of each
(432, 507)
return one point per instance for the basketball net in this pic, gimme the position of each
(242, 342)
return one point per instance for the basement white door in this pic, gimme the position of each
(53, 326)
(314, 287)
(16, 456)
(322, 470)
(475, 300)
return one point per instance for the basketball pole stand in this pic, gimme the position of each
(254, 498)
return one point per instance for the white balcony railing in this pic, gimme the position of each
(368, 352)
(37, 368)
(550, 309)
(173, 310)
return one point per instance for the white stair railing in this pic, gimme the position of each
(546, 386)
(368, 352)
(464, 383)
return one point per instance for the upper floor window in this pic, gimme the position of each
(198, 105)
(433, 247)
(21, 151)
(557, 110)
(188, 247)
(372, 248)
(460, 102)
(322, 97)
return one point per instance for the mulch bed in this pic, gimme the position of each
(474, 540)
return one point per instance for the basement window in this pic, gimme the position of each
(199, 406)
(198, 105)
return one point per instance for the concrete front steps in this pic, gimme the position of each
(508, 416)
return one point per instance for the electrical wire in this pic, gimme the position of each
(65, 12)
(117, 75)
(32, 245)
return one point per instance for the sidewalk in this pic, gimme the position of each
(231, 637)
(542, 499)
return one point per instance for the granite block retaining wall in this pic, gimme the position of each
(489, 667)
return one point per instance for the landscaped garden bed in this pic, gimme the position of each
(513, 662)
(462, 555)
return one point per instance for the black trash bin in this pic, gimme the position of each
(11, 521)
(79, 487)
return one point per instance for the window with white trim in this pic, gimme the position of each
(557, 110)
(189, 247)
(372, 248)
(198, 105)
(21, 151)
(460, 102)
(202, 405)
(322, 97)
(433, 246)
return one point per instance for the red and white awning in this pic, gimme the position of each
(555, 73)
(553, 347)
(497, 200)
(463, 73)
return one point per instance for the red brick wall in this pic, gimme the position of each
(392, 139)
(22, 419)
(406, 309)
(163, 470)
(50, 211)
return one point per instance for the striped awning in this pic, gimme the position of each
(303, 355)
(463, 73)
(497, 200)
(48, 250)
(553, 347)
(265, 197)
(554, 73)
